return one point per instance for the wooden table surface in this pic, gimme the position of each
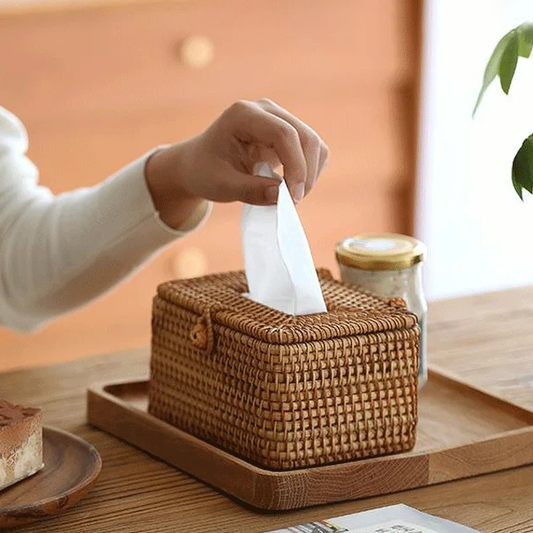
(488, 339)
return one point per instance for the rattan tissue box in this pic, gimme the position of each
(284, 391)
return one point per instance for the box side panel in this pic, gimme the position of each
(286, 406)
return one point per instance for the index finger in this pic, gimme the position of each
(251, 123)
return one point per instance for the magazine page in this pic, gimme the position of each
(394, 519)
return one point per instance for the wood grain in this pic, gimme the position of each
(462, 432)
(137, 493)
(71, 469)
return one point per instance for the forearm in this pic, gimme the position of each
(58, 253)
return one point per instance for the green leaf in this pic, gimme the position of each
(525, 44)
(524, 48)
(508, 62)
(502, 62)
(522, 173)
(492, 68)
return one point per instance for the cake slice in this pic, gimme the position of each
(21, 443)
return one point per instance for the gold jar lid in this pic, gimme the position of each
(380, 251)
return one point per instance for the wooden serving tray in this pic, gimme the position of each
(463, 432)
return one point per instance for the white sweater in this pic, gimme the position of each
(60, 252)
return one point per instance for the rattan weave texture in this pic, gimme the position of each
(285, 392)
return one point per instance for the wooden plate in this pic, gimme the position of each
(71, 469)
(463, 431)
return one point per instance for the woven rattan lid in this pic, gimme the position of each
(350, 311)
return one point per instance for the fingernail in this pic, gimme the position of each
(271, 194)
(299, 192)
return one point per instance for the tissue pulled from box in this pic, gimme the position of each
(277, 258)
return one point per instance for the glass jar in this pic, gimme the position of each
(389, 265)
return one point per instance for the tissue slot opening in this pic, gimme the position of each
(247, 296)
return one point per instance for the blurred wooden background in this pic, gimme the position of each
(99, 84)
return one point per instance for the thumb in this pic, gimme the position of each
(250, 189)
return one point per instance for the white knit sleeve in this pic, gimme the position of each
(58, 253)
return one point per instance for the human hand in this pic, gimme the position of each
(218, 164)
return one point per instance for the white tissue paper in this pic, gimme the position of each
(277, 259)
